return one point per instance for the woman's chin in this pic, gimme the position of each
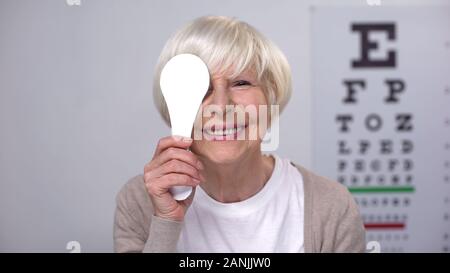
(223, 152)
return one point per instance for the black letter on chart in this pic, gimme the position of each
(351, 89)
(344, 119)
(367, 45)
(395, 87)
(404, 122)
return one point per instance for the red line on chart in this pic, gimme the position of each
(394, 225)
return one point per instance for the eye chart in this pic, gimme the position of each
(381, 118)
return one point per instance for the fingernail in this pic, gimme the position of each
(187, 139)
(177, 138)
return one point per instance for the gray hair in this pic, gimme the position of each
(227, 44)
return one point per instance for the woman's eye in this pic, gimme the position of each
(242, 83)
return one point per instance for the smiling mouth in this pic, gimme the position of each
(224, 133)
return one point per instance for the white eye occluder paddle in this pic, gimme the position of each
(184, 82)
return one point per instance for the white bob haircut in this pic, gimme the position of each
(228, 45)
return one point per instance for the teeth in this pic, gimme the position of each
(225, 132)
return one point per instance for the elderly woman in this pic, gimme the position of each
(243, 200)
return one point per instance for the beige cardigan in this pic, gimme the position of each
(332, 222)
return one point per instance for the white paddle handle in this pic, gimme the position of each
(180, 193)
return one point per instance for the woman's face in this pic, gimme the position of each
(227, 132)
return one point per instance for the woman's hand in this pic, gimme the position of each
(172, 165)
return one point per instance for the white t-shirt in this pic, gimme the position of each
(269, 221)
